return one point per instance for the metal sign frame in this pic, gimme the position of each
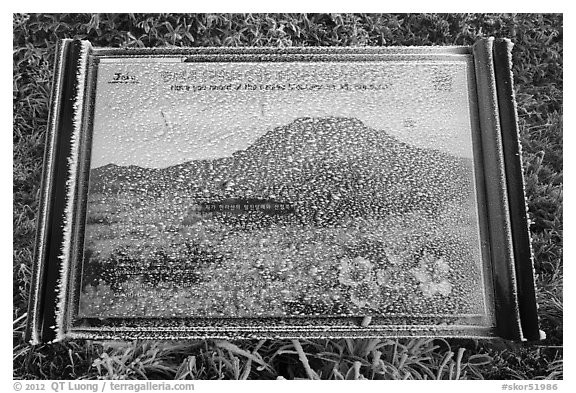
(53, 310)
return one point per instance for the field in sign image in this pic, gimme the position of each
(321, 216)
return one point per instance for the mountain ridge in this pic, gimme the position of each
(310, 162)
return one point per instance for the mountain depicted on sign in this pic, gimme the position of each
(325, 168)
(319, 217)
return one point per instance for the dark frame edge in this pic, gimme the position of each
(47, 281)
(36, 306)
(512, 150)
(507, 313)
(81, 189)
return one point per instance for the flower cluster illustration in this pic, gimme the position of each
(432, 274)
(363, 281)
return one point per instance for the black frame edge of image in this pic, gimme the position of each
(523, 260)
(47, 253)
(499, 228)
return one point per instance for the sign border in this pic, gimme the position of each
(501, 200)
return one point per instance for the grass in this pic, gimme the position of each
(538, 81)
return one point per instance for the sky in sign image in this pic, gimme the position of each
(160, 113)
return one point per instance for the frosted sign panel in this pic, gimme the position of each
(276, 195)
(283, 189)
